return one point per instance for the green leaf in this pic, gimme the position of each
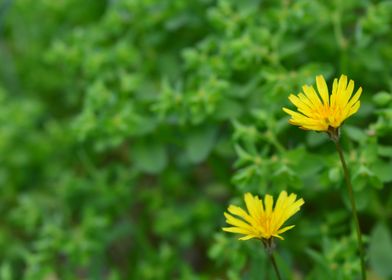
(315, 139)
(228, 109)
(385, 151)
(380, 251)
(149, 157)
(383, 171)
(355, 133)
(199, 143)
(382, 98)
(334, 174)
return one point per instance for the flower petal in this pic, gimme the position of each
(312, 96)
(322, 89)
(250, 236)
(236, 222)
(285, 229)
(236, 230)
(238, 211)
(268, 201)
(302, 107)
(254, 208)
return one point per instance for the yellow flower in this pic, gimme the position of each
(329, 112)
(262, 222)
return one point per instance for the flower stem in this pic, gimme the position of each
(272, 258)
(269, 247)
(354, 208)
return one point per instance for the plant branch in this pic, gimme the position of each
(269, 247)
(354, 208)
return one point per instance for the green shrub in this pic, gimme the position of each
(128, 126)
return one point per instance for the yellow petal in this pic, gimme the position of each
(268, 202)
(250, 236)
(279, 203)
(322, 89)
(320, 127)
(285, 229)
(299, 118)
(278, 236)
(341, 90)
(305, 100)
(238, 211)
(252, 206)
(291, 210)
(302, 107)
(237, 222)
(355, 97)
(312, 96)
(348, 91)
(236, 230)
(334, 91)
(354, 109)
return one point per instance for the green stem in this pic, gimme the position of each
(272, 258)
(270, 138)
(354, 208)
(269, 247)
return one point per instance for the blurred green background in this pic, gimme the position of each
(128, 126)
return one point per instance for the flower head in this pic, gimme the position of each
(329, 112)
(262, 222)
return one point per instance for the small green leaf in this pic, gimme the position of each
(385, 151)
(149, 157)
(315, 139)
(355, 133)
(199, 143)
(382, 98)
(380, 251)
(228, 109)
(383, 171)
(334, 174)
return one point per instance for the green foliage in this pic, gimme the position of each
(380, 250)
(128, 126)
